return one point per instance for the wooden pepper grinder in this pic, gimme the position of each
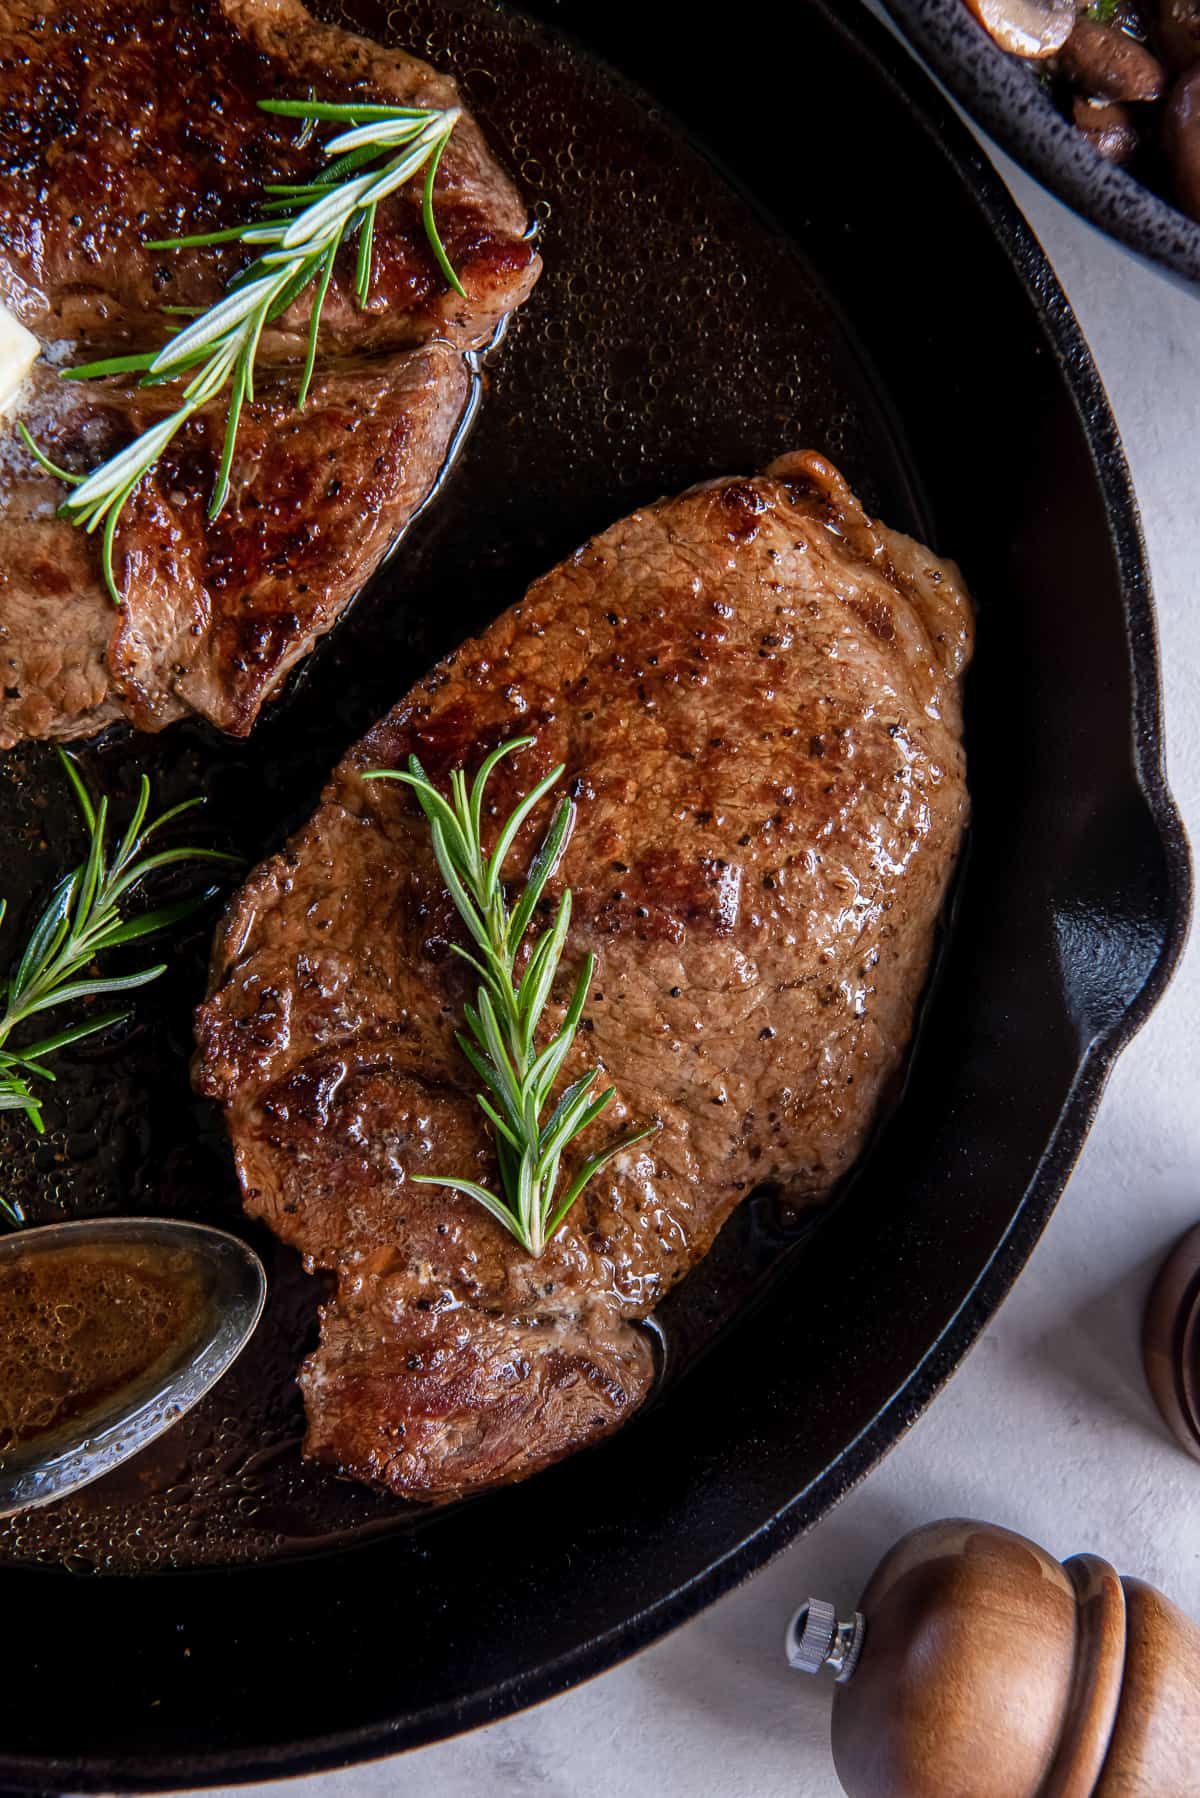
(1171, 1342)
(978, 1666)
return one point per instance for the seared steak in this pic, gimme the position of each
(123, 123)
(216, 610)
(756, 693)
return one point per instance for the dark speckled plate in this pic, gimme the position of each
(1001, 92)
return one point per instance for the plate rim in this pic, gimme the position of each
(995, 90)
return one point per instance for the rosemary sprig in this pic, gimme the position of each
(82, 919)
(500, 1039)
(300, 231)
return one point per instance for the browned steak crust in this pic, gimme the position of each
(756, 693)
(120, 123)
(126, 121)
(216, 610)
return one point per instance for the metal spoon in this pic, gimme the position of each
(229, 1286)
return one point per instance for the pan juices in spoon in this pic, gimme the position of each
(79, 1326)
(110, 1330)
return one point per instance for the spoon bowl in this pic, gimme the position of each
(111, 1329)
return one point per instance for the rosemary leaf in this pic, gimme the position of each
(500, 1041)
(10, 1212)
(299, 233)
(81, 921)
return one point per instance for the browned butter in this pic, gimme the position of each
(80, 1325)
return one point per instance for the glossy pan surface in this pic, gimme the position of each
(939, 360)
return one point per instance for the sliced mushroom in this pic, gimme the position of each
(1181, 140)
(1026, 27)
(1108, 127)
(1110, 65)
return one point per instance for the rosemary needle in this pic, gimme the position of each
(298, 235)
(500, 1041)
(83, 918)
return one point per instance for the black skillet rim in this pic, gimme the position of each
(996, 89)
(161, 1771)
(1017, 239)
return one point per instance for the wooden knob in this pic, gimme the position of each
(984, 1668)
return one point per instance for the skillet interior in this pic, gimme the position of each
(638, 368)
(1071, 914)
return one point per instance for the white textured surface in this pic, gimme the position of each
(1046, 1428)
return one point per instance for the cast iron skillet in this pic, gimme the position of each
(1002, 93)
(1071, 915)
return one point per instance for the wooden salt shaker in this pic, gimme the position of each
(978, 1666)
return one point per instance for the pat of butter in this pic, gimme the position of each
(19, 350)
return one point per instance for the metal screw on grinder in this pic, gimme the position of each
(815, 1639)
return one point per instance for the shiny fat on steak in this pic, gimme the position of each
(125, 121)
(756, 692)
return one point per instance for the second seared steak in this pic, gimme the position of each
(125, 121)
(756, 693)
